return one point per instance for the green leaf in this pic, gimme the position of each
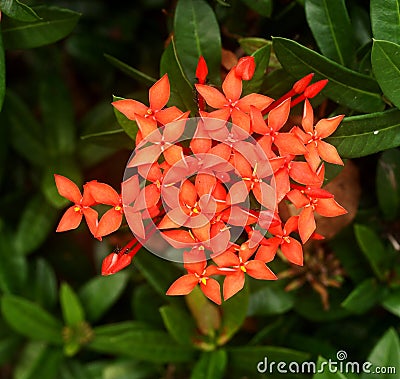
(182, 92)
(261, 57)
(127, 369)
(197, 34)
(19, 11)
(257, 358)
(71, 307)
(57, 112)
(392, 302)
(276, 83)
(373, 248)
(30, 320)
(346, 87)
(252, 44)
(26, 132)
(130, 71)
(364, 296)
(269, 300)
(179, 324)
(140, 342)
(9, 346)
(43, 284)
(385, 354)
(38, 360)
(234, 312)
(386, 66)
(331, 28)
(363, 135)
(55, 24)
(262, 7)
(2, 72)
(130, 126)
(388, 183)
(100, 293)
(385, 20)
(36, 223)
(322, 363)
(13, 267)
(144, 310)
(211, 365)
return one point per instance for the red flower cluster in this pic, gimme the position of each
(239, 164)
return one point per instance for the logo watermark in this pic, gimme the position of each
(340, 365)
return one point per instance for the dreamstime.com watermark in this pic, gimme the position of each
(339, 365)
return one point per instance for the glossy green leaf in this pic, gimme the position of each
(322, 365)
(37, 222)
(43, 284)
(204, 311)
(30, 320)
(388, 183)
(392, 302)
(182, 92)
(252, 44)
(385, 354)
(55, 24)
(144, 310)
(361, 23)
(179, 324)
(19, 11)
(13, 267)
(257, 359)
(270, 300)
(211, 365)
(385, 19)
(364, 296)
(262, 7)
(130, 126)
(363, 135)
(197, 34)
(100, 293)
(2, 72)
(261, 57)
(331, 28)
(71, 306)
(234, 312)
(130, 71)
(26, 132)
(373, 248)
(38, 360)
(57, 112)
(276, 83)
(140, 342)
(386, 66)
(346, 87)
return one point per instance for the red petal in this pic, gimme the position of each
(70, 220)
(135, 222)
(147, 155)
(282, 184)
(329, 153)
(265, 195)
(312, 156)
(148, 197)
(258, 270)
(291, 225)
(202, 233)
(308, 117)
(205, 184)
(293, 251)
(68, 189)
(237, 216)
(173, 219)
(211, 95)
(267, 251)
(130, 108)
(278, 116)
(233, 284)
(245, 68)
(91, 218)
(226, 259)
(306, 224)
(232, 86)
(109, 223)
(297, 198)
(241, 119)
(212, 290)
(289, 144)
(258, 124)
(195, 261)
(103, 193)
(173, 154)
(183, 285)
(258, 101)
(147, 125)
(329, 208)
(168, 115)
(188, 193)
(130, 189)
(237, 193)
(159, 93)
(327, 126)
(179, 238)
(302, 173)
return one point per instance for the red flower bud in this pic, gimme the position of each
(245, 68)
(302, 84)
(201, 70)
(315, 88)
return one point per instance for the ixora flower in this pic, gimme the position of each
(209, 186)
